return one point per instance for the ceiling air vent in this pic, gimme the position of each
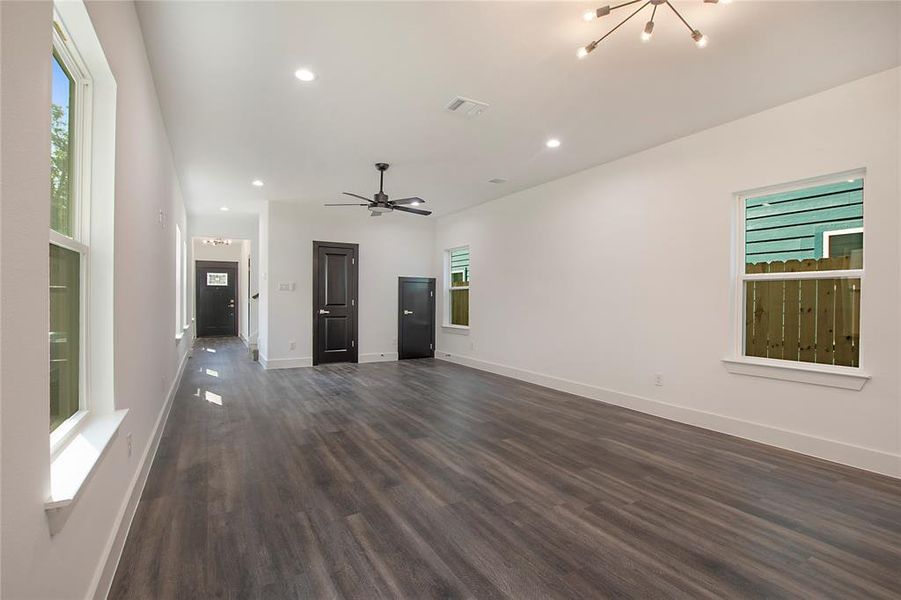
(467, 106)
(497, 180)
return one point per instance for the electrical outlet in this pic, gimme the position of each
(128, 442)
(658, 379)
(291, 345)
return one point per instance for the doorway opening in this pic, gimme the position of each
(224, 286)
(216, 286)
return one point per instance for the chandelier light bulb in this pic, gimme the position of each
(591, 15)
(699, 38)
(585, 50)
(648, 30)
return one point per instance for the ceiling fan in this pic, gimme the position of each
(380, 202)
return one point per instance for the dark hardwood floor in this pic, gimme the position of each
(424, 479)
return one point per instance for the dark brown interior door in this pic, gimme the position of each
(334, 302)
(416, 317)
(216, 294)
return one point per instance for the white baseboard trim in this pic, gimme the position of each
(285, 363)
(371, 357)
(103, 577)
(861, 457)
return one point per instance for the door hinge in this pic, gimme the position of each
(353, 260)
(431, 294)
(351, 343)
(430, 347)
(353, 302)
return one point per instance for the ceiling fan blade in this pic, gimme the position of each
(357, 196)
(415, 211)
(345, 205)
(375, 214)
(409, 200)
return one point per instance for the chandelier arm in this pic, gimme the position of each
(653, 13)
(624, 4)
(681, 18)
(623, 22)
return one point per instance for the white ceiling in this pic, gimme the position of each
(386, 70)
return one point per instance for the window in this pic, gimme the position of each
(179, 282)
(457, 285)
(217, 279)
(184, 285)
(69, 249)
(802, 273)
(83, 417)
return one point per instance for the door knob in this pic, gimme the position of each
(322, 311)
(408, 312)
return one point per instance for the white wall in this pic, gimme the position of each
(234, 226)
(238, 252)
(597, 281)
(391, 246)
(71, 563)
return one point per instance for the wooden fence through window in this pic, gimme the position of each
(806, 320)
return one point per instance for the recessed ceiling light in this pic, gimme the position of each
(552, 143)
(305, 74)
(257, 183)
(223, 208)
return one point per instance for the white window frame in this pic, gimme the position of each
(738, 362)
(446, 321)
(179, 284)
(186, 322)
(827, 237)
(80, 209)
(78, 445)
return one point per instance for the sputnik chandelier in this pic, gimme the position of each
(699, 38)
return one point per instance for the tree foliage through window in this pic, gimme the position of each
(60, 155)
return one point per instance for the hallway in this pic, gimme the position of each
(424, 479)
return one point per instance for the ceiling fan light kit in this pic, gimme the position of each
(699, 38)
(381, 203)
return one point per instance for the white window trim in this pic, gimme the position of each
(445, 322)
(827, 236)
(79, 444)
(80, 209)
(179, 334)
(736, 361)
(186, 322)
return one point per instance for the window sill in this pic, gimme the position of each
(74, 464)
(456, 329)
(848, 378)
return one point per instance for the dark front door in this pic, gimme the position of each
(217, 293)
(416, 317)
(334, 302)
